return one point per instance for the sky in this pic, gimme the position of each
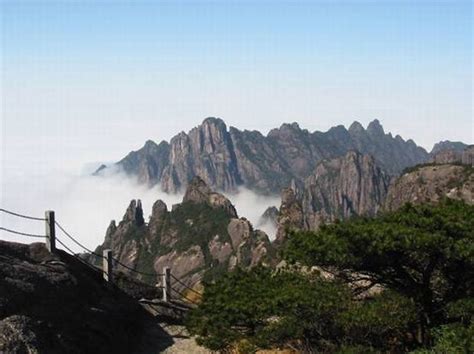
(84, 82)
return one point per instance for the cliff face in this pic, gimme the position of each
(202, 236)
(337, 189)
(227, 158)
(343, 187)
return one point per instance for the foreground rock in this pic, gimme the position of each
(56, 304)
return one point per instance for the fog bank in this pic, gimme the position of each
(85, 204)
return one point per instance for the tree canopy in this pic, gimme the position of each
(397, 282)
(424, 252)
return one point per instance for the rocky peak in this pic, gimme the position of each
(98, 172)
(215, 123)
(338, 188)
(270, 214)
(209, 135)
(134, 213)
(150, 144)
(199, 192)
(291, 214)
(286, 129)
(356, 128)
(159, 208)
(375, 128)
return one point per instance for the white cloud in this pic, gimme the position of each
(85, 204)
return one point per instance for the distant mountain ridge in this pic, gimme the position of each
(228, 158)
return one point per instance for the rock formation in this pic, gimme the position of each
(343, 187)
(428, 184)
(56, 304)
(202, 236)
(227, 158)
(448, 145)
(270, 216)
(337, 189)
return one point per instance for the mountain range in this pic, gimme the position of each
(227, 158)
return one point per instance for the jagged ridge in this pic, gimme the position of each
(227, 158)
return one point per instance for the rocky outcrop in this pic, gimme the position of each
(337, 189)
(343, 187)
(291, 214)
(56, 304)
(123, 239)
(148, 163)
(202, 236)
(456, 146)
(199, 192)
(269, 216)
(429, 184)
(228, 158)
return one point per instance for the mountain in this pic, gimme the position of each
(355, 185)
(202, 236)
(228, 158)
(337, 189)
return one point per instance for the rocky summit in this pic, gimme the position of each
(200, 237)
(226, 158)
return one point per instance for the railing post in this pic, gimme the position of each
(50, 231)
(107, 265)
(166, 284)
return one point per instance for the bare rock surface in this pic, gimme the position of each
(430, 184)
(337, 189)
(56, 304)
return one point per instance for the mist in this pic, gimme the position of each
(252, 205)
(84, 204)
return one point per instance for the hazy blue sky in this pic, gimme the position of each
(89, 81)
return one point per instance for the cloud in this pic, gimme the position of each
(251, 206)
(84, 205)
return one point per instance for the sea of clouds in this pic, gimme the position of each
(84, 204)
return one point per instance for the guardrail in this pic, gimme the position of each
(109, 262)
